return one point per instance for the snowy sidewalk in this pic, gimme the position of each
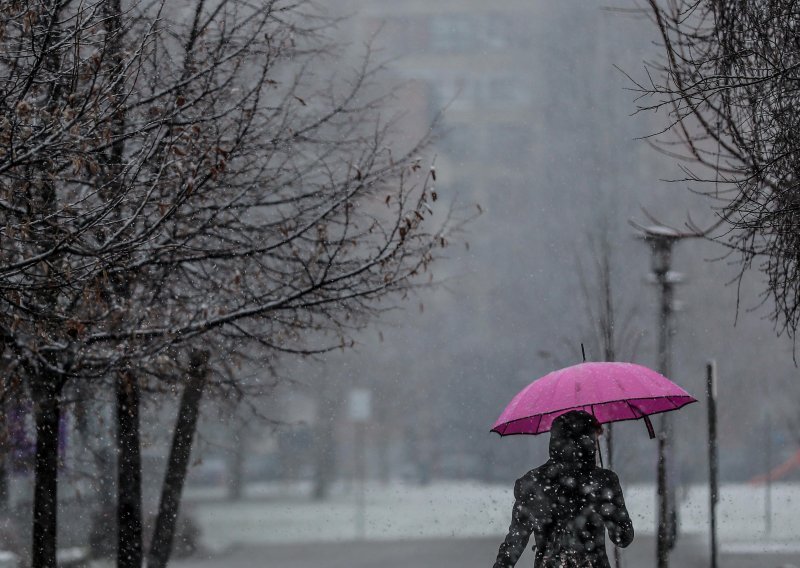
(280, 514)
(449, 553)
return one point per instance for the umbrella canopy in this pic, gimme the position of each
(612, 392)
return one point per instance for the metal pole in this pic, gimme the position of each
(768, 484)
(711, 391)
(361, 504)
(661, 239)
(610, 458)
(662, 543)
(662, 251)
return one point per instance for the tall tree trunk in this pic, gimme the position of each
(47, 411)
(46, 385)
(329, 404)
(185, 426)
(129, 462)
(129, 473)
(46, 388)
(324, 458)
(236, 461)
(97, 429)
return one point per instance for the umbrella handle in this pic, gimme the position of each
(650, 430)
(599, 453)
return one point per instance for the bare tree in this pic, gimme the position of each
(613, 335)
(728, 78)
(612, 332)
(178, 173)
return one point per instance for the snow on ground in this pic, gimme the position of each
(280, 513)
(391, 512)
(742, 526)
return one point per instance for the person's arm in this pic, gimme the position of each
(520, 530)
(615, 514)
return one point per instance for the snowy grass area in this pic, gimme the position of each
(279, 513)
(391, 512)
(741, 514)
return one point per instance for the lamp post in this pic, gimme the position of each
(661, 240)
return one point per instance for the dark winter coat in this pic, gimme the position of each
(567, 504)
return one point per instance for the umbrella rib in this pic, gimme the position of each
(538, 423)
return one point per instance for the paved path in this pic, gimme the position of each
(473, 553)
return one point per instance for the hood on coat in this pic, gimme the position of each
(572, 439)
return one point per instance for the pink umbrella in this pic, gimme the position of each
(612, 392)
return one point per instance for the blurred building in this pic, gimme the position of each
(536, 128)
(524, 134)
(472, 60)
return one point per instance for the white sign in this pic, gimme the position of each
(360, 405)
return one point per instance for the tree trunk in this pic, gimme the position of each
(47, 410)
(186, 424)
(129, 461)
(129, 474)
(325, 443)
(236, 461)
(324, 459)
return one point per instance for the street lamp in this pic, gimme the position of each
(661, 239)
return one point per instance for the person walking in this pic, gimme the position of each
(568, 503)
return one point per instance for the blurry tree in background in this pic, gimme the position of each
(183, 184)
(729, 78)
(611, 315)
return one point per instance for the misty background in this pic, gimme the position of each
(539, 131)
(536, 130)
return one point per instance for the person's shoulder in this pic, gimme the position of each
(528, 478)
(540, 473)
(606, 475)
(528, 483)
